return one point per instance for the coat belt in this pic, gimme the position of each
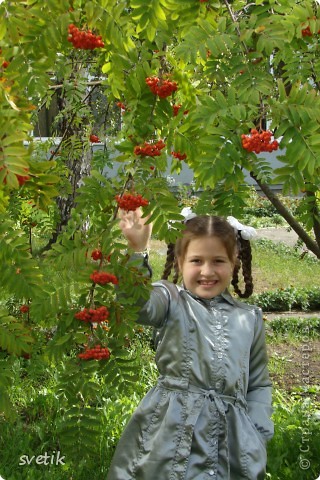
(219, 402)
(180, 383)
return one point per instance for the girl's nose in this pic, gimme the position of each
(207, 269)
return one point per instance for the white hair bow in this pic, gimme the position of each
(247, 233)
(187, 213)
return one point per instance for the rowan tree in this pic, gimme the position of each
(215, 84)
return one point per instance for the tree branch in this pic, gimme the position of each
(284, 212)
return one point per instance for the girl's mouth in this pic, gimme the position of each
(207, 283)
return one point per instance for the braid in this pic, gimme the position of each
(244, 261)
(169, 261)
(176, 272)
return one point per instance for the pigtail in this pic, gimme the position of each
(171, 264)
(244, 261)
(176, 272)
(169, 261)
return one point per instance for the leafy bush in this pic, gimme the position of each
(260, 212)
(57, 411)
(298, 327)
(293, 453)
(286, 299)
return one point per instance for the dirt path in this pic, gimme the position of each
(279, 234)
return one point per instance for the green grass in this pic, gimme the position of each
(276, 265)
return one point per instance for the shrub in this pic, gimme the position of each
(293, 453)
(298, 327)
(286, 299)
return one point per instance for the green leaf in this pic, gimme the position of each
(314, 140)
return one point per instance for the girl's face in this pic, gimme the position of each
(206, 269)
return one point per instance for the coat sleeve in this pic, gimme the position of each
(153, 311)
(259, 394)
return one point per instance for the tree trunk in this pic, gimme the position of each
(312, 245)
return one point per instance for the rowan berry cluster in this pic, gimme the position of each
(179, 156)
(5, 64)
(176, 109)
(306, 32)
(121, 105)
(95, 353)
(259, 142)
(93, 315)
(94, 138)
(22, 179)
(102, 278)
(96, 254)
(131, 202)
(162, 88)
(149, 149)
(84, 39)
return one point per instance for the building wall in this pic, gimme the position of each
(185, 177)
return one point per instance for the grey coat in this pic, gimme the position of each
(208, 417)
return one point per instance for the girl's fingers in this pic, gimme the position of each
(134, 228)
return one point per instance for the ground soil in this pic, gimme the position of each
(296, 365)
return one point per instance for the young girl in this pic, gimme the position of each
(208, 417)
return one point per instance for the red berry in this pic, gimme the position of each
(24, 308)
(96, 254)
(22, 179)
(180, 156)
(94, 138)
(176, 109)
(121, 105)
(306, 32)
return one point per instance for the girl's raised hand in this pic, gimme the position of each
(134, 228)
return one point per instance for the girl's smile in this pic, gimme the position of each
(206, 269)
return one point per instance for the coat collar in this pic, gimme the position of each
(223, 297)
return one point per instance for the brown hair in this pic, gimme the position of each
(238, 249)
